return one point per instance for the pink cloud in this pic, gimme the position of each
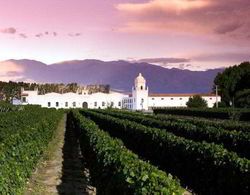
(39, 35)
(223, 57)
(23, 35)
(74, 34)
(229, 18)
(172, 6)
(10, 71)
(163, 60)
(10, 30)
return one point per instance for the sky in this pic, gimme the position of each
(187, 34)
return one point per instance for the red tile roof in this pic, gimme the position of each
(177, 94)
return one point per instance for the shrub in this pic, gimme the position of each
(206, 168)
(206, 113)
(21, 149)
(232, 140)
(196, 102)
(113, 168)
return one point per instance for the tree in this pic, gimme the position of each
(242, 98)
(233, 83)
(196, 102)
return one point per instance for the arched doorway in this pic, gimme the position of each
(85, 105)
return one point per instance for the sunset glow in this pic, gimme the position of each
(208, 33)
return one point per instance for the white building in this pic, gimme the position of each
(140, 99)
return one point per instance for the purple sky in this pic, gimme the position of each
(194, 34)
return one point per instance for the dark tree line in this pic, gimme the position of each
(234, 85)
(9, 90)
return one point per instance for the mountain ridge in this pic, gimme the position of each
(119, 74)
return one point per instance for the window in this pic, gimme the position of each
(119, 104)
(23, 99)
(180, 98)
(49, 104)
(162, 98)
(66, 104)
(103, 103)
(95, 104)
(74, 104)
(210, 98)
(141, 87)
(112, 104)
(153, 98)
(57, 104)
(172, 98)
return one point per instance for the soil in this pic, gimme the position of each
(61, 171)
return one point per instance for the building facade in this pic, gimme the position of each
(139, 99)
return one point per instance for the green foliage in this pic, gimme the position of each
(242, 98)
(222, 113)
(200, 122)
(196, 102)
(221, 105)
(232, 140)
(206, 168)
(113, 168)
(24, 136)
(7, 107)
(9, 90)
(233, 80)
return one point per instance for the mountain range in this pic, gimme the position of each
(119, 75)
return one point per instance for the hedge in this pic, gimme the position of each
(113, 168)
(22, 148)
(206, 168)
(228, 125)
(13, 122)
(7, 107)
(236, 114)
(238, 142)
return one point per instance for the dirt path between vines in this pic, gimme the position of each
(61, 171)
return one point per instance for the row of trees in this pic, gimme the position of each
(11, 89)
(234, 86)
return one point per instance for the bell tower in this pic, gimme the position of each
(140, 93)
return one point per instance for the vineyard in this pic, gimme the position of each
(130, 152)
(24, 136)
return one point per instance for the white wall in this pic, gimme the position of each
(96, 100)
(140, 99)
(114, 99)
(177, 101)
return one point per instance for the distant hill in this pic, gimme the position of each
(119, 74)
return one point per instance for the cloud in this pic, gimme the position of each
(10, 71)
(23, 35)
(181, 63)
(223, 29)
(222, 57)
(74, 34)
(229, 18)
(39, 35)
(163, 60)
(46, 33)
(10, 30)
(184, 66)
(173, 6)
